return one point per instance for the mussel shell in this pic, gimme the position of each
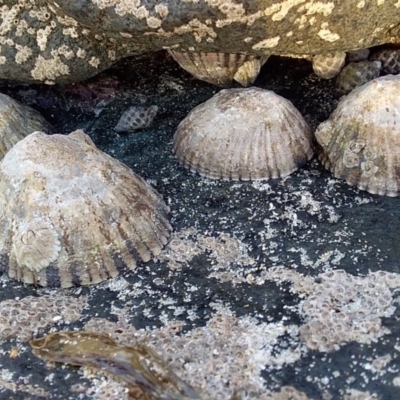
(361, 139)
(242, 134)
(71, 215)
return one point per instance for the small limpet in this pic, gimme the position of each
(242, 134)
(72, 215)
(135, 118)
(17, 121)
(361, 139)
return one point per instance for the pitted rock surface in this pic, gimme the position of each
(65, 41)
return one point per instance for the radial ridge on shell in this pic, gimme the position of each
(243, 134)
(71, 215)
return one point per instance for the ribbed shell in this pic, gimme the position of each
(242, 134)
(17, 121)
(72, 215)
(361, 139)
(221, 68)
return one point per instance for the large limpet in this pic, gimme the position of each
(361, 139)
(17, 121)
(71, 215)
(242, 134)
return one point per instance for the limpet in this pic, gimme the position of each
(390, 59)
(361, 139)
(17, 121)
(220, 68)
(242, 134)
(72, 215)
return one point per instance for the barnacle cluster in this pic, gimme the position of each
(24, 318)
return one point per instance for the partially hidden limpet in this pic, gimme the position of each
(242, 134)
(220, 68)
(361, 139)
(72, 215)
(17, 121)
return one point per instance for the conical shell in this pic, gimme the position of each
(135, 118)
(354, 75)
(17, 121)
(390, 59)
(361, 139)
(72, 215)
(221, 68)
(327, 66)
(242, 134)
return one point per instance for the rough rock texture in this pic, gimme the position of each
(66, 40)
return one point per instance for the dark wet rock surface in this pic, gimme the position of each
(309, 223)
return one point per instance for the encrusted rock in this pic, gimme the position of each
(65, 41)
(72, 215)
(361, 139)
(242, 134)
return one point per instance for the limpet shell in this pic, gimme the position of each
(361, 139)
(242, 134)
(17, 121)
(136, 118)
(72, 215)
(221, 68)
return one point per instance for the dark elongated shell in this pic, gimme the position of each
(242, 134)
(361, 139)
(135, 118)
(17, 121)
(221, 68)
(72, 215)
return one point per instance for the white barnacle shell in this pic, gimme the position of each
(16, 122)
(361, 139)
(136, 118)
(72, 215)
(242, 134)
